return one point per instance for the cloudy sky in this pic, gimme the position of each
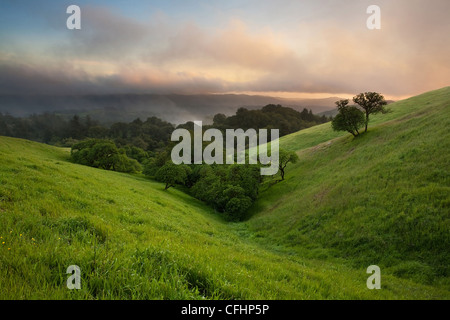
(298, 48)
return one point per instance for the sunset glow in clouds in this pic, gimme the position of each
(290, 48)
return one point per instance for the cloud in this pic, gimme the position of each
(333, 53)
(104, 35)
(233, 46)
(16, 78)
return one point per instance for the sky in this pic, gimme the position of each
(290, 48)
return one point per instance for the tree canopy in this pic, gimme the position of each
(286, 157)
(349, 118)
(371, 103)
(287, 120)
(105, 155)
(172, 174)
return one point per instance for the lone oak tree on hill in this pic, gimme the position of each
(286, 157)
(371, 103)
(349, 118)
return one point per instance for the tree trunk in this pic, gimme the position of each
(367, 120)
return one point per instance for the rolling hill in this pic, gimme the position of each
(379, 199)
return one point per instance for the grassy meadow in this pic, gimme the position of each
(382, 198)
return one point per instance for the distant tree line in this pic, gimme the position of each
(150, 135)
(287, 120)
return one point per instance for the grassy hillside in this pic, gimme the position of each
(381, 198)
(322, 133)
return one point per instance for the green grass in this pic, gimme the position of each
(379, 199)
(323, 133)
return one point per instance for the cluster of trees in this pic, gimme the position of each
(229, 189)
(105, 155)
(150, 135)
(287, 120)
(46, 128)
(352, 118)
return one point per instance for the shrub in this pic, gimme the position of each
(103, 154)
